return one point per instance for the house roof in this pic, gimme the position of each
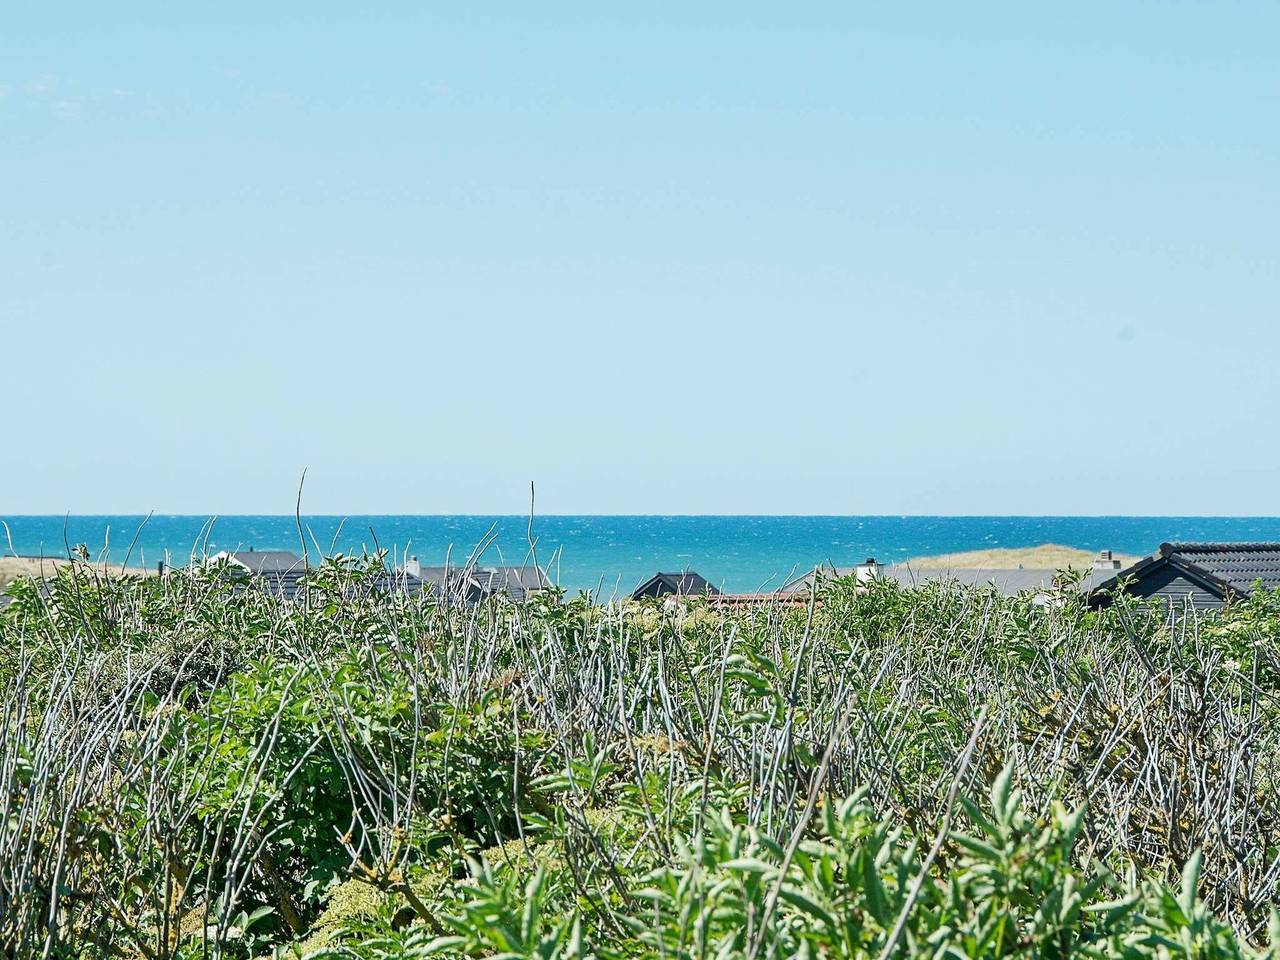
(686, 583)
(290, 584)
(1005, 581)
(1221, 568)
(516, 582)
(1008, 582)
(266, 561)
(1237, 564)
(280, 584)
(477, 583)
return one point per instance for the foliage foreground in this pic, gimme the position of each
(191, 769)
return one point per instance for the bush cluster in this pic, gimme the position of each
(191, 768)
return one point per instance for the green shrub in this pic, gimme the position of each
(191, 768)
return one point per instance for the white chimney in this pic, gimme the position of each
(1105, 561)
(412, 567)
(867, 570)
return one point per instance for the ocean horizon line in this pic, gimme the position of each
(736, 552)
(657, 516)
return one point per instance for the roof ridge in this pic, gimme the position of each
(1182, 546)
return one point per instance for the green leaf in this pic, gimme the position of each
(810, 906)
(749, 865)
(441, 944)
(877, 902)
(979, 848)
(1113, 909)
(1000, 793)
(1190, 882)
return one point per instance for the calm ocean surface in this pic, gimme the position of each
(616, 553)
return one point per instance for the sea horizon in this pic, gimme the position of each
(612, 552)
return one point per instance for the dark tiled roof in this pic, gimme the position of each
(686, 584)
(1216, 570)
(1237, 565)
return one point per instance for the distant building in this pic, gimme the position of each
(277, 573)
(1207, 575)
(471, 584)
(1007, 582)
(687, 584)
(514, 583)
(281, 574)
(261, 561)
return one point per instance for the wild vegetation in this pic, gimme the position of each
(191, 770)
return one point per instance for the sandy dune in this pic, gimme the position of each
(1047, 556)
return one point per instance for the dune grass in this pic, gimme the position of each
(40, 568)
(189, 768)
(12, 568)
(1046, 556)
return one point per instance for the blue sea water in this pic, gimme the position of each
(614, 553)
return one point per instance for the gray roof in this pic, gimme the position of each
(1007, 582)
(473, 584)
(280, 584)
(516, 582)
(267, 561)
(685, 584)
(1220, 570)
(399, 581)
(444, 579)
(290, 584)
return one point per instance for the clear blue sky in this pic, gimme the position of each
(773, 258)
